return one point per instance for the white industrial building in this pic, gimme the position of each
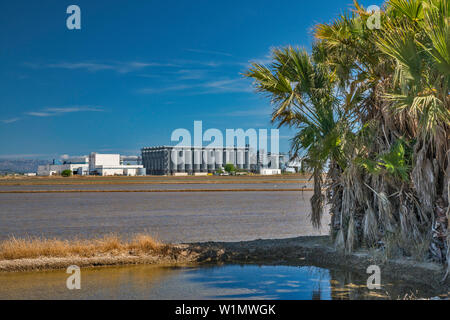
(57, 169)
(185, 160)
(269, 171)
(182, 160)
(94, 164)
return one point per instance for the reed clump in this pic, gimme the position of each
(33, 247)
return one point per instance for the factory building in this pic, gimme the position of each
(168, 160)
(173, 160)
(57, 169)
(95, 164)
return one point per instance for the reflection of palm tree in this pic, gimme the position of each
(338, 280)
(321, 275)
(347, 285)
(317, 294)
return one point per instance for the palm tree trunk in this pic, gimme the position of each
(317, 200)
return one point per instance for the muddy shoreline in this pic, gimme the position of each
(300, 251)
(160, 190)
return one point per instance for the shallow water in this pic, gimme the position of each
(170, 217)
(156, 186)
(218, 282)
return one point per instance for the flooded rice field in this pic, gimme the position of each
(170, 217)
(217, 282)
(156, 186)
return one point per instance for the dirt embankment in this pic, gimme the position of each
(299, 251)
(160, 190)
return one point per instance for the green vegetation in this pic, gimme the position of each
(66, 173)
(371, 107)
(229, 167)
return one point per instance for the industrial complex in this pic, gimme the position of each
(168, 160)
(95, 164)
(180, 160)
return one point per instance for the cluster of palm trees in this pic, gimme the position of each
(371, 108)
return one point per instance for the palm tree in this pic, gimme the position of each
(372, 106)
(399, 79)
(302, 92)
(419, 43)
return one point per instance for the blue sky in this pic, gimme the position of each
(137, 70)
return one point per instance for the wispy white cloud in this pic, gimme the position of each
(192, 74)
(51, 112)
(202, 63)
(75, 109)
(228, 86)
(120, 67)
(174, 74)
(208, 87)
(181, 87)
(12, 120)
(80, 65)
(38, 114)
(210, 52)
(258, 112)
(263, 60)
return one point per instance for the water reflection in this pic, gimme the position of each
(264, 282)
(347, 285)
(217, 282)
(96, 283)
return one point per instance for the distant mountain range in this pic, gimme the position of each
(20, 165)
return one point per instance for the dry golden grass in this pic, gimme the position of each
(14, 248)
